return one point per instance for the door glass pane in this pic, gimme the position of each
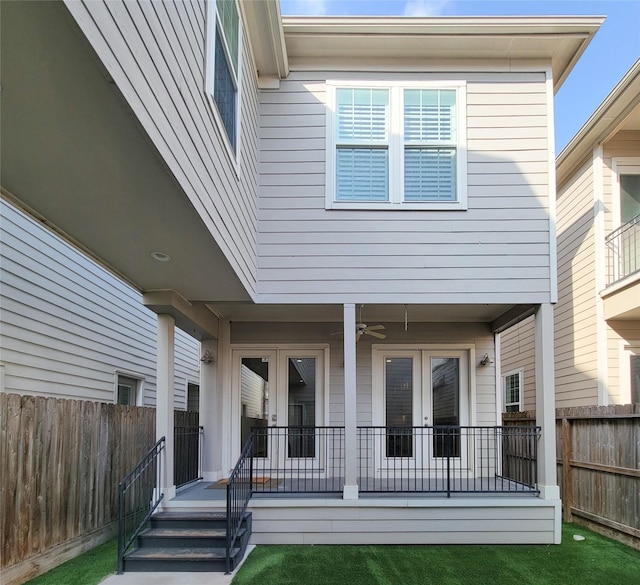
(301, 406)
(445, 384)
(254, 397)
(629, 197)
(399, 406)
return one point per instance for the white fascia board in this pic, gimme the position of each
(453, 25)
(263, 23)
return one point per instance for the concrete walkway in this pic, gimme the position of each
(174, 578)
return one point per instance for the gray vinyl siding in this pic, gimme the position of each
(156, 55)
(375, 521)
(68, 326)
(496, 251)
(484, 405)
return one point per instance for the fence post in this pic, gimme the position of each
(567, 475)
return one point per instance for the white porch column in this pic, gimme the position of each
(545, 403)
(210, 409)
(165, 400)
(350, 491)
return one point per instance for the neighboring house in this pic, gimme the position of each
(597, 318)
(269, 184)
(71, 329)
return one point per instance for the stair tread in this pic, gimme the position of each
(180, 553)
(185, 532)
(189, 516)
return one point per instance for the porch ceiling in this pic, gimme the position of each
(370, 313)
(74, 155)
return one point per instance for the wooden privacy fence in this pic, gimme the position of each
(60, 464)
(598, 456)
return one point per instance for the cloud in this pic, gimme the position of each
(425, 7)
(304, 7)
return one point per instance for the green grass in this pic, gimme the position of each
(594, 561)
(87, 569)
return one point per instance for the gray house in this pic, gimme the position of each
(345, 212)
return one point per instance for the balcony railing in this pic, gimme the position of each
(623, 251)
(427, 460)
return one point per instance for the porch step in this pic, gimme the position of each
(180, 559)
(186, 541)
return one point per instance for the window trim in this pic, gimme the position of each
(520, 373)
(209, 78)
(396, 146)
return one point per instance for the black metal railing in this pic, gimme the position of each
(239, 490)
(448, 459)
(519, 454)
(300, 459)
(187, 453)
(623, 251)
(428, 460)
(138, 497)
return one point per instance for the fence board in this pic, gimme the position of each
(61, 461)
(598, 456)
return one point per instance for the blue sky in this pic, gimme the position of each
(611, 53)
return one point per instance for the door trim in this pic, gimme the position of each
(238, 351)
(425, 351)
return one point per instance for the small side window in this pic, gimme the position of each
(193, 397)
(128, 391)
(512, 385)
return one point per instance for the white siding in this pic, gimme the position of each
(496, 251)
(68, 325)
(156, 55)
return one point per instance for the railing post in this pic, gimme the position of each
(120, 529)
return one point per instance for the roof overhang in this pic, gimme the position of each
(557, 40)
(264, 29)
(619, 110)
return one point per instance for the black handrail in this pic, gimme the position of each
(138, 498)
(239, 490)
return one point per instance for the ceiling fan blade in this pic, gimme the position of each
(376, 327)
(376, 335)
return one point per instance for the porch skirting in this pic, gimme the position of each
(483, 520)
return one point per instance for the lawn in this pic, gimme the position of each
(593, 561)
(87, 569)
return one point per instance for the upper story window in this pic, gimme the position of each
(223, 65)
(396, 146)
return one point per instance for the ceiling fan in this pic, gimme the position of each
(364, 329)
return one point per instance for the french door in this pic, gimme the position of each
(281, 388)
(418, 396)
